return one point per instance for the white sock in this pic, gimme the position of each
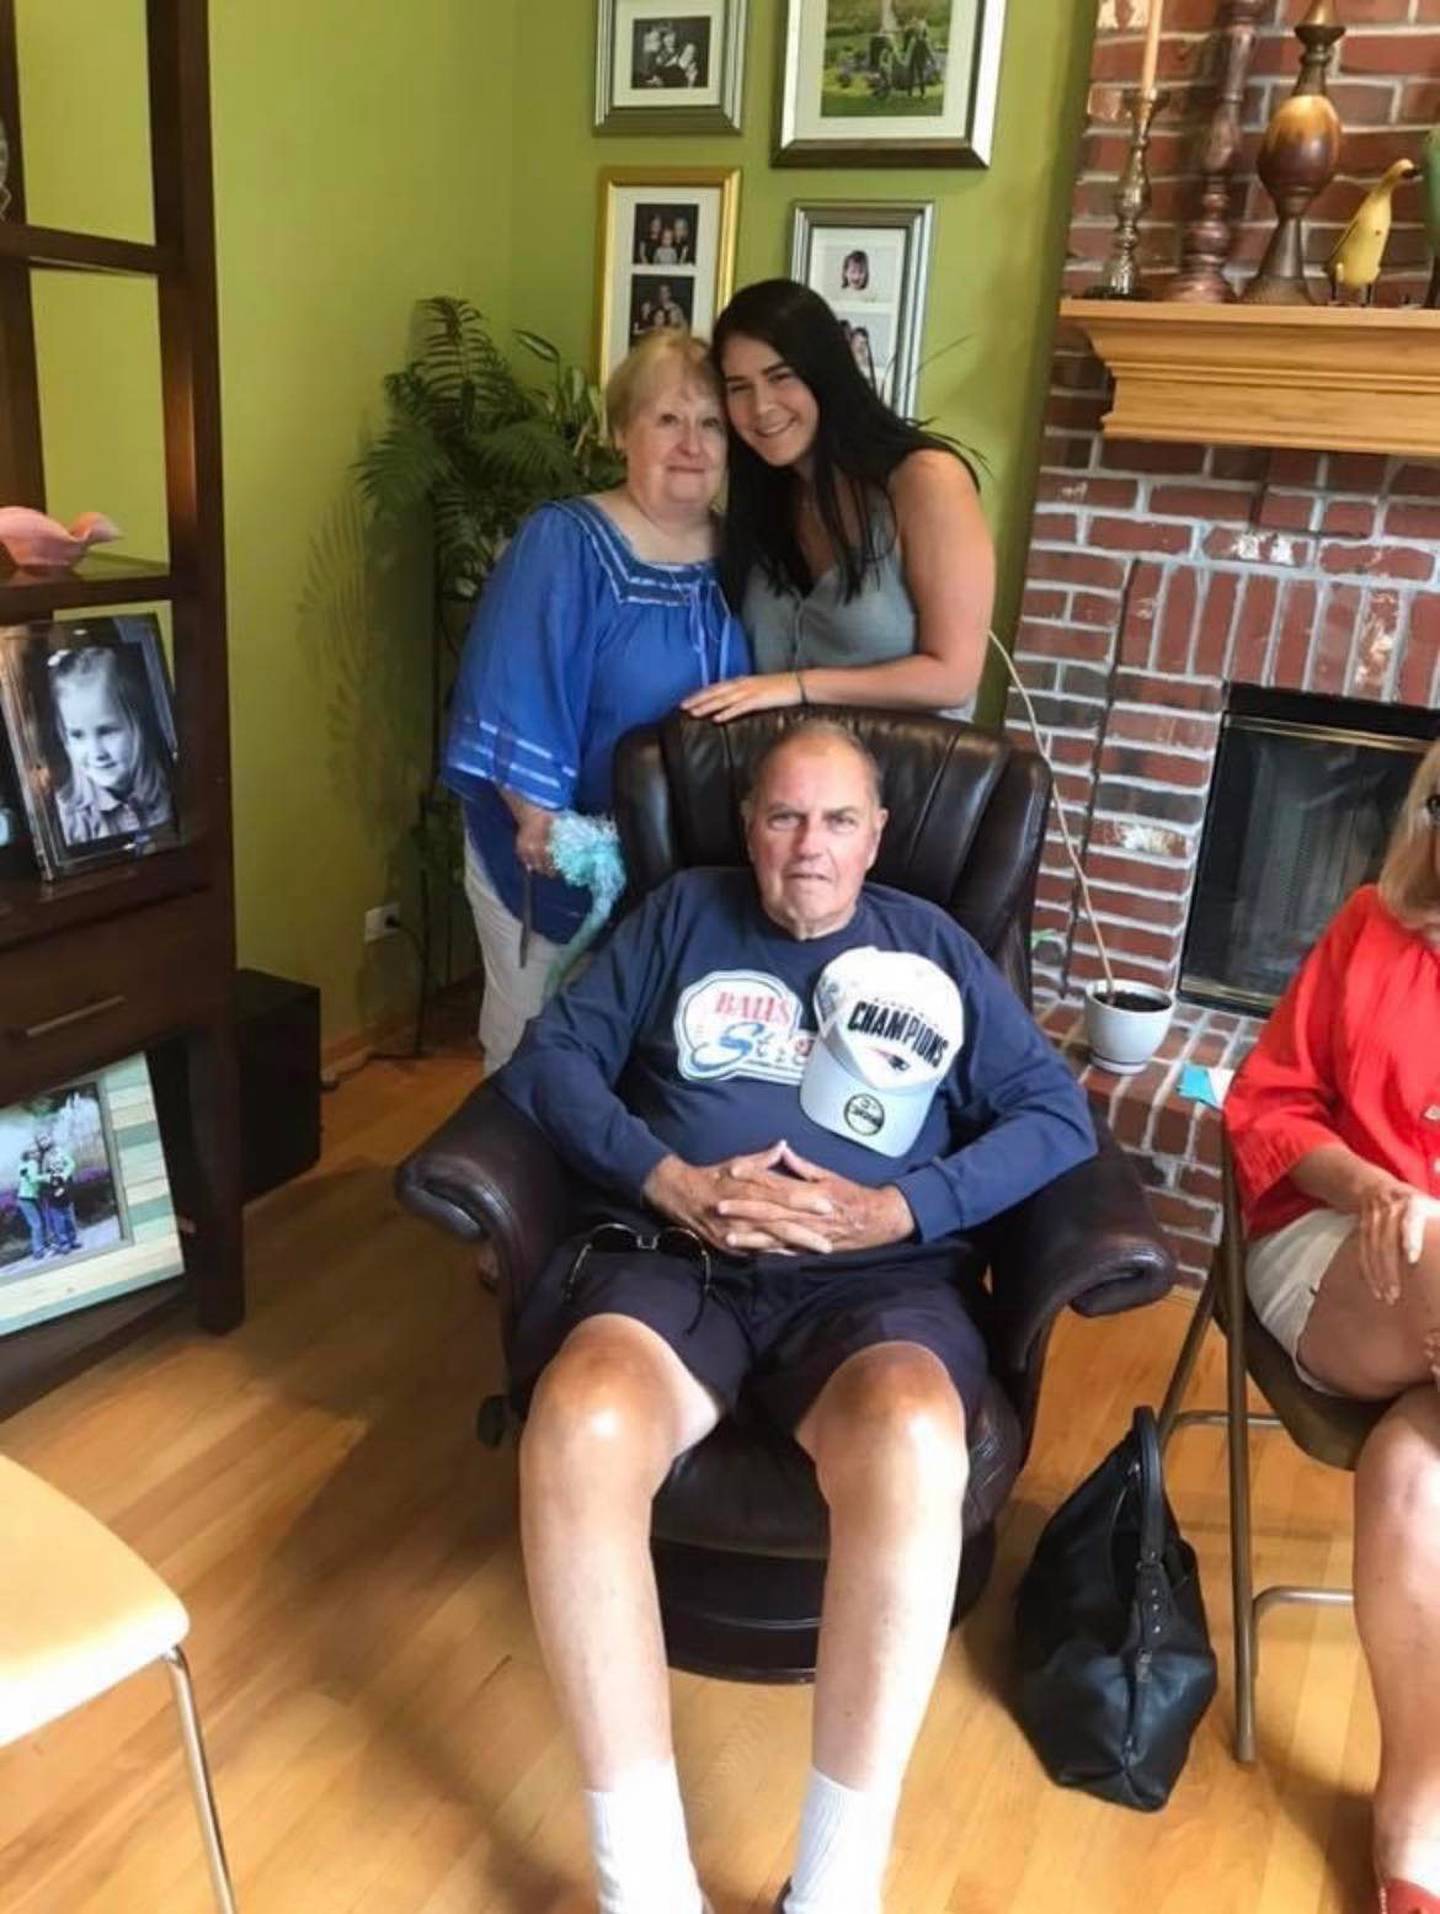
(844, 1845)
(639, 1845)
(1416, 1861)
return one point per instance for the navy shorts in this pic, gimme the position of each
(771, 1331)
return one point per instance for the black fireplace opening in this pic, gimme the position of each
(1304, 793)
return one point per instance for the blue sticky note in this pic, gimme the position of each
(1195, 1083)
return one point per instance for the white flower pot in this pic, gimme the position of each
(1125, 1035)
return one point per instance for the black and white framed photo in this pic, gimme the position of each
(91, 727)
(871, 263)
(666, 253)
(85, 1206)
(665, 69)
(889, 82)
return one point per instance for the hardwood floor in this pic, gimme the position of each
(381, 1731)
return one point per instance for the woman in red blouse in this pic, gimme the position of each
(1334, 1122)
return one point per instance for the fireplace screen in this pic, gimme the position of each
(1304, 794)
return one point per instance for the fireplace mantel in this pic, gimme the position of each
(1323, 378)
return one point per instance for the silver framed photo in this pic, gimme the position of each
(87, 708)
(662, 69)
(871, 263)
(889, 82)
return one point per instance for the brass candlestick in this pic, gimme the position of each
(1206, 244)
(1132, 200)
(1298, 158)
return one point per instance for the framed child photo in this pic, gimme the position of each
(85, 1206)
(662, 69)
(91, 727)
(666, 253)
(871, 263)
(889, 82)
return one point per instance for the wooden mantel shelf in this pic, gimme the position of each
(1327, 378)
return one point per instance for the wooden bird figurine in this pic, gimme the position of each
(1430, 208)
(1354, 266)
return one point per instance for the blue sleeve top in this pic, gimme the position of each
(689, 1032)
(575, 641)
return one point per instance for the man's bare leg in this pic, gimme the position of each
(887, 1435)
(610, 1414)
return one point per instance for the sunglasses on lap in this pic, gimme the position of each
(618, 1239)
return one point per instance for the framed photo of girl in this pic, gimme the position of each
(662, 69)
(889, 82)
(91, 726)
(665, 253)
(871, 264)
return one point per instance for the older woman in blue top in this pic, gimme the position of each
(603, 614)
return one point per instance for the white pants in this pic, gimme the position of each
(1283, 1272)
(512, 995)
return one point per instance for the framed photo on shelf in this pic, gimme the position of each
(871, 263)
(85, 1206)
(91, 727)
(666, 253)
(889, 82)
(662, 69)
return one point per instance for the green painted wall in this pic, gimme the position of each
(367, 155)
(998, 247)
(363, 156)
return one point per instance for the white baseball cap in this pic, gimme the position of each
(890, 1025)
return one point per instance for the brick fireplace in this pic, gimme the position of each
(1160, 574)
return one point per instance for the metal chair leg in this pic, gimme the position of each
(1200, 1321)
(1242, 1577)
(179, 1672)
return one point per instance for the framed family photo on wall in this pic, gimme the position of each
(871, 263)
(85, 1206)
(666, 253)
(91, 728)
(662, 69)
(889, 82)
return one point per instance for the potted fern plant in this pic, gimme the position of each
(472, 447)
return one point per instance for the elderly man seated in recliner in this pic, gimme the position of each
(789, 1095)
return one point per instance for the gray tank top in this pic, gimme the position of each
(788, 632)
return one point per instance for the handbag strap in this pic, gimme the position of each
(1152, 1486)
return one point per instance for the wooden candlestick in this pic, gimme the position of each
(1205, 245)
(1298, 158)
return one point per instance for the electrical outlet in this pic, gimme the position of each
(383, 921)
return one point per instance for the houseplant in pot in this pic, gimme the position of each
(1125, 1018)
(469, 448)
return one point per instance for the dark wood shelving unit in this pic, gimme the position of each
(135, 955)
(99, 579)
(82, 252)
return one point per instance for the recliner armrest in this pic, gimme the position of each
(1088, 1240)
(487, 1173)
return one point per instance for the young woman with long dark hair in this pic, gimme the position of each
(855, 551)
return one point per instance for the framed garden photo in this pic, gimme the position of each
(871, 264)
(889, 82)
(662, 69)
(85, 1206)
(666, 253)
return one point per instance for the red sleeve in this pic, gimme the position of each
(1282, 1103)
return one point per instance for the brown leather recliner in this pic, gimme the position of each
(739, 1533)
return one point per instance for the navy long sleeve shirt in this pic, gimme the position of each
(688, 1034)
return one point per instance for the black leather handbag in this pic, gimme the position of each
(1116, 1666)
